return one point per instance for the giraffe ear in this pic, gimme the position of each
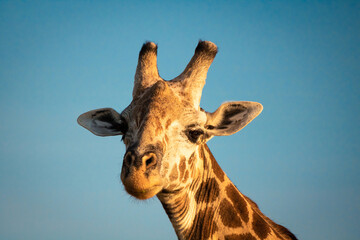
(231, 117)
(103, 122)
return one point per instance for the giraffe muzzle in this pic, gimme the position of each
(140, 175)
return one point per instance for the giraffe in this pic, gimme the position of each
(165, 133)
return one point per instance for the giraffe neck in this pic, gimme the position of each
(211, 207)
(191, 209)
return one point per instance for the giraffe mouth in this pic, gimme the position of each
(143, 182)
(144, 193)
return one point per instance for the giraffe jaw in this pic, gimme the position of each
(140, 186)
(144, 193)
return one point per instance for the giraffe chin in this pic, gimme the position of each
(143, 193)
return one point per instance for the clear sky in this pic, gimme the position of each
(299, 160)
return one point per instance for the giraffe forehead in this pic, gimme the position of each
(163, 104)
(156, 110)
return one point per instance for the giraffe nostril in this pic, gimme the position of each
(128, 159)
(150, 160)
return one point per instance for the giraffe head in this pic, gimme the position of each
(164, 124)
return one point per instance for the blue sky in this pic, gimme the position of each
(299, 160)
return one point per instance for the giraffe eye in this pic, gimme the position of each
(194, 135)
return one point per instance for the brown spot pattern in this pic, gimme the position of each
(238, 201)
(215, 166)
(186, 176)
(168, 122)
(182, 166)
(246, 236)
(208, 191)
(278, 229)
(166, 139)
(174, 173)
(202, 157)
(214, 229)
(260, 227)
(157, 126)
(203, 225)
(228, 216)
(191, 159)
